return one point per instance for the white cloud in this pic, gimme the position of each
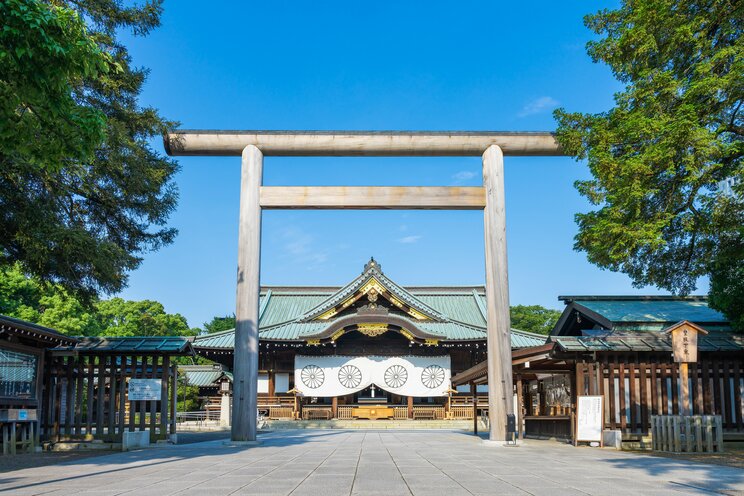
(299, 245)
(463, 176)
(538, 105)
(409, 239)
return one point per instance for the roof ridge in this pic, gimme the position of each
(529, 333)
(632, 298)
(212, 334)
(481, 306)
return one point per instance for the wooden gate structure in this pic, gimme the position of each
(86, 388)
(254, 197)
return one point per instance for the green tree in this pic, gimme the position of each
(53, 306)
(45, 51)
(119, 317)
(727, 281)
(80, 215)
(187, 395)
(45, 304)
(533, 318)
(674, 134)
(218, 324)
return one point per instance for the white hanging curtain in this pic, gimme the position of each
(326, 376)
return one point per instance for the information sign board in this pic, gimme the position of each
(144, 389)
(589, 420)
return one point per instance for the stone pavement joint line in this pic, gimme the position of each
(330, 463)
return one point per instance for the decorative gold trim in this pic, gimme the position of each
(338, 334)
(417, 315)
(372, 284)
(407, 334)
(313, 342)
(372, 330)
(431, 342)
(350, 301)
(327, 315)
(395, 302)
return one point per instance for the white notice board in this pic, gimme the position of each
(144, 389)
(589, 420)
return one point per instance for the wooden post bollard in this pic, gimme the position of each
(719, 434)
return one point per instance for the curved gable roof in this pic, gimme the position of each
(290, 313)
(372, 273)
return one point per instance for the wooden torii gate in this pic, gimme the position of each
(254, 197)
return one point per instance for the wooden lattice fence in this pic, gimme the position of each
(85, 397)
(634, 392)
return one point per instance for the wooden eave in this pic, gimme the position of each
(12, 326)
(591, 315)
(394, 323)
(478, 374)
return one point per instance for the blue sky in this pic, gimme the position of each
(363, 65)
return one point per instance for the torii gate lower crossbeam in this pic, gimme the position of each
(254, 198)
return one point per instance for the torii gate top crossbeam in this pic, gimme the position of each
(360, 143)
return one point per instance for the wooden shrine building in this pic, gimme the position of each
(59, 388)
(24, 357)
(644, 355)
(369, 349)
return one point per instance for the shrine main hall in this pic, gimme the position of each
(369, 349)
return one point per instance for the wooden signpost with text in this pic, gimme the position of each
(684, 350)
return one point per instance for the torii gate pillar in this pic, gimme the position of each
(245, 364)
(497, 295)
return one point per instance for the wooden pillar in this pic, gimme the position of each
(574, 402)
(500, 401)
(174, 399)
(272, 384)
(334, 407)
(410, 407)
(543, 404)
(246, 313)
(474, 393)
(684, 378)
(520, 406)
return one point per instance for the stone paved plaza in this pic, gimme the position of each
(328, 463)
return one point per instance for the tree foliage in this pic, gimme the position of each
(45, 50)
(187, 396)
(51, 305)
(83, 195)
(218, 324)
(533, 318)
(674, 133)
(119, 317)
(727, 281)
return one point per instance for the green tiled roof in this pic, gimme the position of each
(202, 378)
(372, 270)
(286, 305)
(203, 375)
(653, 342)
(288, 313)
(226, 339)
(173, 345)
(650, 309)
(524, 339)
(217, 340)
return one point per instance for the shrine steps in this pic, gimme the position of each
(458, 425)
